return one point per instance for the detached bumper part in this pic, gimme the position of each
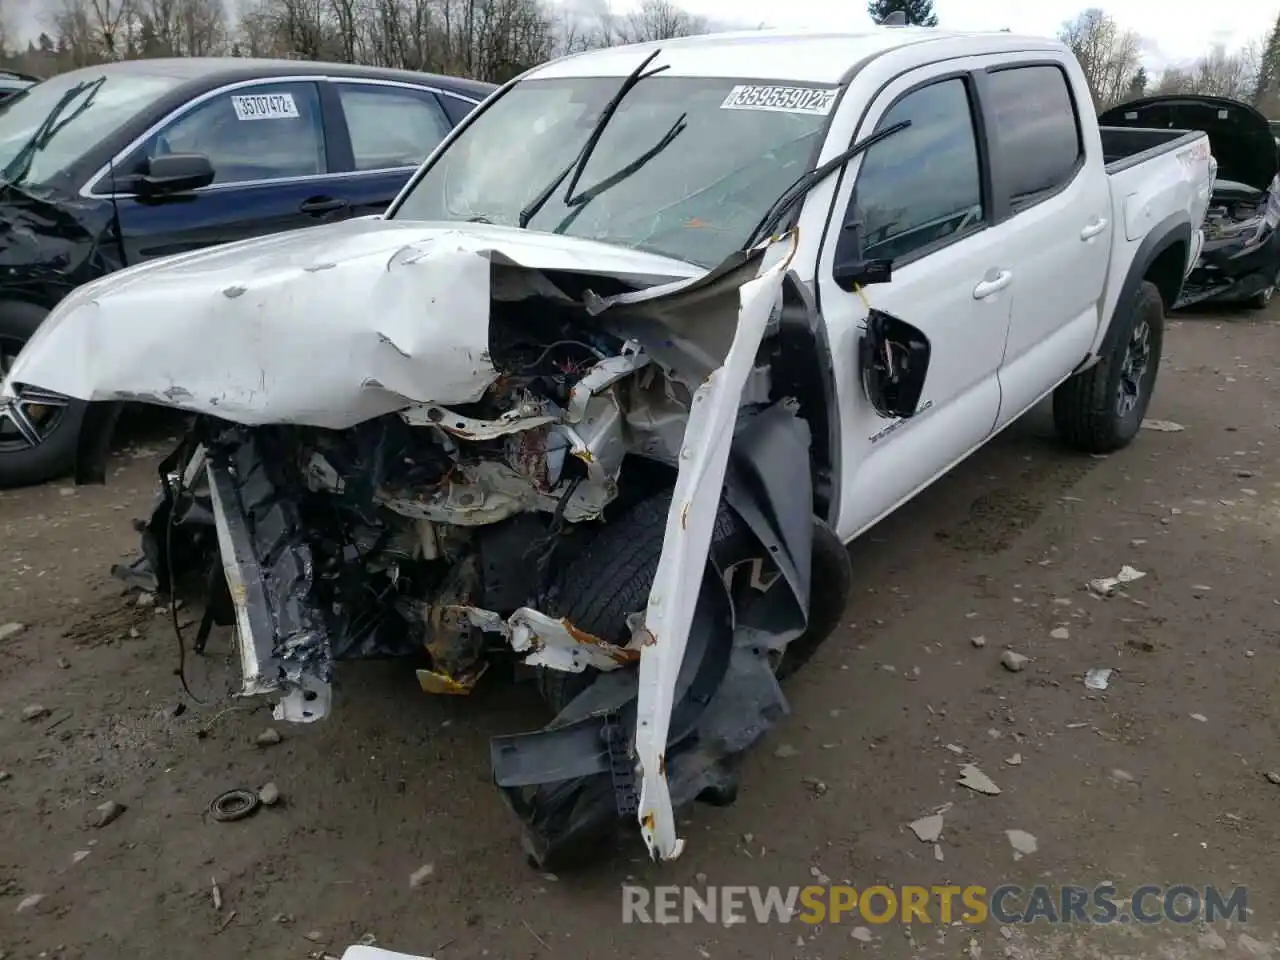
(574, 780)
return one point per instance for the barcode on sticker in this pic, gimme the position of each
(265, 106)
(747, 96)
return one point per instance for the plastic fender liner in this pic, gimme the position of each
(726, 693)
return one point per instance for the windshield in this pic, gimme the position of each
(105, 102)
(692, 191)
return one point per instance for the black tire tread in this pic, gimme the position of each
(1084, 405)
(610, 580)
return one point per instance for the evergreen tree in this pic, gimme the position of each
(1268, 65)
(1138, 85)
(919, 12)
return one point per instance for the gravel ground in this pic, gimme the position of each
(1159, 779)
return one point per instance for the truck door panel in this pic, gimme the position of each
(917, 198)
(1059, 203)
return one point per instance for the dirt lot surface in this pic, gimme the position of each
(1160, 779)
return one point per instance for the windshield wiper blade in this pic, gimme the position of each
(580, 161)
(20, 165)
(806, 182)
(611, 181)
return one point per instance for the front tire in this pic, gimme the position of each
(40, 431)
(1100, 410)
(612, 577)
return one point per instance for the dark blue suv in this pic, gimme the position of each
(111, 165)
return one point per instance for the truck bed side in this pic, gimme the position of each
(1160, 187)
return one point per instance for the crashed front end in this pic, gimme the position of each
(501, 415)
(1240, 258)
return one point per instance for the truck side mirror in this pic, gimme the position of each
(851, 269)
(851, 274)
(893, 357)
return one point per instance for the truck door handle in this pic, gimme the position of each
(322, 205)
(994, 285)
(1093, 229)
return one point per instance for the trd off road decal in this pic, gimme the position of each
(746, 96)
(265, 106)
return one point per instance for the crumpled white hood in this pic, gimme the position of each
(328, 326)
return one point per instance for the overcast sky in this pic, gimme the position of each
(1172, 32)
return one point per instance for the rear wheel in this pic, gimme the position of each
(39, 430)
(1100, 410)
(1262, 299)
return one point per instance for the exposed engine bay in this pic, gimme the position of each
(437, 528)
(611, 485)
(1240, 258)
(1233, 208)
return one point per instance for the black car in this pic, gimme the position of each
(12, 84)
(111, 165)
(1240, 260)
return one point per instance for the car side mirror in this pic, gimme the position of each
(175, 173)
(893, 357)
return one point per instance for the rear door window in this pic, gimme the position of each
(1037, 131)
(391, 127)
(263, 132)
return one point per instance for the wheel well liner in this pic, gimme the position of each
(803, 369)
(1161, 258)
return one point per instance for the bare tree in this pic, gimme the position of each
(1175, 80)
(7, 36)
(1222, 74)
(1218, 74)
(182, 28)
(255, 33)
(488, 39)
(78, 41)
(661, 20)
(113, 22)
(1108, 55)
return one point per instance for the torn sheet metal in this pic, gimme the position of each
(604, 374)
(329, 326)
(552, 642)
(517, 420)
(665, 633)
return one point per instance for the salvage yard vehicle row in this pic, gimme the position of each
(737, 296)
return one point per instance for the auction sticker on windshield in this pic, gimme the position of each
(747, 96)
(265, 106)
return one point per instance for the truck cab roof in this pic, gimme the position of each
(809, 56)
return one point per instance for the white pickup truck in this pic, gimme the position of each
(651, 336)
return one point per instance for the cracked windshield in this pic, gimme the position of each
(685, 173)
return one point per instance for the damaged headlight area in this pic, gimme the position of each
(534, 524)
(1240, 258)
